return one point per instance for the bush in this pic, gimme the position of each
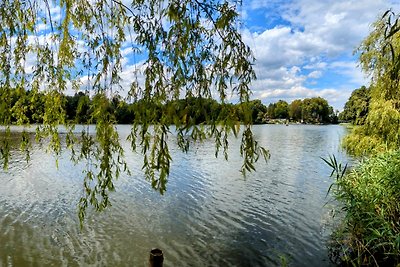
(370, 195)
(357, 143)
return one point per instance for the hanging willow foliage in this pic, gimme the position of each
(187, 48)
(380, 58)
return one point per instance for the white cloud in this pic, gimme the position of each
(341, 24)
(309, 40)
(347, 69)
(315, 65)
(315, 74)
(318, 38)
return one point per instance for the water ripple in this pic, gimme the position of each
(209, 216)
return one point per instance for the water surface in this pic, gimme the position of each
(210, 215)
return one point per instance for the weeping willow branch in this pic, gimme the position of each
(187, 48)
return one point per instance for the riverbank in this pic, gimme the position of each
(370, 232)
(288, 122)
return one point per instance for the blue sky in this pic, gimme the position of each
(304, 48)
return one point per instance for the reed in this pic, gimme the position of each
(369, 234)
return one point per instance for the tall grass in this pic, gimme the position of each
(369, 234)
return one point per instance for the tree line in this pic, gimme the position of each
(309, 110)
(79, 109)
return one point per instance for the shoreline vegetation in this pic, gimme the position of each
(369, 234)
(369, 194)
(80, 109)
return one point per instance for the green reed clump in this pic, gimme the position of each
(370, 232)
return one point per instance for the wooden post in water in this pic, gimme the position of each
(156, 258)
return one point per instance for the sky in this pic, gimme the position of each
(305, 48)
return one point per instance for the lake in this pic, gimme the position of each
(210, 214)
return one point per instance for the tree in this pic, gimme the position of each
(271, 111)
(369, 234)
(333, 115)
(77, 107)
(258, 110)
(295, 109)
(316, 109)
(281, 110)
(379, 56)
(189, 48)
(356, 107)
(312, 110)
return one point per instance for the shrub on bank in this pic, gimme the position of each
(359, 144)
(370, 231)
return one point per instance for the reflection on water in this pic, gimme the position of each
(209, 216)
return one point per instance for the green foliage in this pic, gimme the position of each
(271, 111)
(309, 110)
(357, 106)
(195, 110)
(370, 194)
(281, 110)
(295, 110)
(370, 232)
(359, 144)
(284, 259)
(316, 109)
(278, 110)
(337, 168)
(77, 108)
(248, 149)
(380, 57)
(380, 133)
(258, 110)
(189, 48)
